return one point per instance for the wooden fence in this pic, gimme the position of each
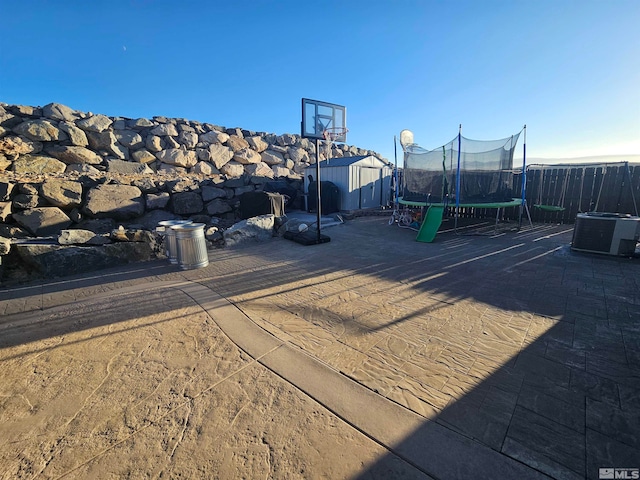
(557, 193)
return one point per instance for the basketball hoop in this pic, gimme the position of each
(335, 134)
(331, 135)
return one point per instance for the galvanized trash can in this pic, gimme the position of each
(192, 247)
(170, 246)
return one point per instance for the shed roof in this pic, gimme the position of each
(360, 160)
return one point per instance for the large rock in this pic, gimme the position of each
(127, 168)
(166, 129)
(13, 146)
(73, 154)
(209, 193)
(129, 138)
(157, 201)
(38, 164)
(106, 141)
(6, 189)
(279, 171)
(57, 111)
(188, 139)
(81, 237)
(43, 221)
(219, 155)
(120, 202)
(76, 135)
(95, 123)
(5, 211)
(246, 156)
(40, 130)
(5, 246)
(232, 169)
(218, 206)
(214, 137)
(66, 194)
(143, 156)
(154, 143)
(257, 143)
(186, 203)
(259, 169)
(140, 123)
(271, 157)
(298, 154)
(178, 157)
(236, 143)
(255, 229)
(62, 260)
(5, 163)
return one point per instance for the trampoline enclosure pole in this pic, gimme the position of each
(458, 176)
(318, 194)
(524, 174)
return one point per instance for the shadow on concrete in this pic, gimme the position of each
(562, 398)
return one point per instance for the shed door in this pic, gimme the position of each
(370, 187)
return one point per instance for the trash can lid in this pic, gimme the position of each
(188, 226)
(169, 223)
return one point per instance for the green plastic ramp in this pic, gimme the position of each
(431, 224)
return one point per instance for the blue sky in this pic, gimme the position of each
(568, 69)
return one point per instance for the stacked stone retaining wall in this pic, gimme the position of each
(63, 169)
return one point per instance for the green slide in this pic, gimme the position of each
(431, 224)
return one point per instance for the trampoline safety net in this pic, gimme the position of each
(486, 171)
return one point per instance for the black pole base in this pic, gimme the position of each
(307, 238)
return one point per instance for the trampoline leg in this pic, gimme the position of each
(495, 227)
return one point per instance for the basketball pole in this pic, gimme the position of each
(318, 196)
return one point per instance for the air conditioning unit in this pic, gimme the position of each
(608, 233)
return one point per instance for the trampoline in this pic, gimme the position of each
(463, 173)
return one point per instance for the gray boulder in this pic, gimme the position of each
(166, 129)
(255, 229)
(43, 221)
(81, 237)
(95, 123)
(76, 135)
(5, 246)
(62, 260)
(57, 111)
(154, 143)
(65, 194)
(129, 138)
(143, 156)
(5, 211)
(120, 202)
(257, 143)
(247, 156)
(209, 193)
(218, 206)
(12, 146)
(38, 164)
(140, 123)
(178, 157)
(40, 130)
(74, 154)
(126, 168)
(232, 169)
(186, 203)
(213, 137)
(156, 201)
(188, 139)
(271, 157)
(237, 143)
(219, 155)
(6, 189)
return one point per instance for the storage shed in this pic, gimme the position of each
(364, 181)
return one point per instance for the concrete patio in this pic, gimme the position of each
(372, 356)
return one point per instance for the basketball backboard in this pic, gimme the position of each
(318, 116)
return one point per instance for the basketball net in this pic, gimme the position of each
(330, 136)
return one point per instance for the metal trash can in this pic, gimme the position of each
(192, 247)
(170, 246)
